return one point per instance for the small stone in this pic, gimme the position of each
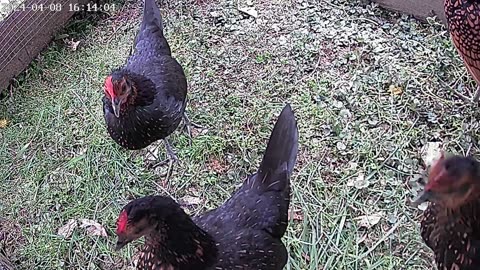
(341, 146)
(215, 14)
(345, 113)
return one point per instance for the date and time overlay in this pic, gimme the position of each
(7, 6)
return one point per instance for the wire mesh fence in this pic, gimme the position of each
(25, 30)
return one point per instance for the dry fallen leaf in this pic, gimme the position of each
(341, 146)
(93, 227)
(431, 152)
(359, 182)
(73, 45)
(195, 132)
(67, 229)
(295, 214)
(352, 165)
(11, 236)
(369, 221)
(3, 123)
(395, 90)
(249, 11)
(190, 200)
(194, 191)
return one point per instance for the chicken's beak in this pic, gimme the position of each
(425, 197)
(116, 106)
(120, 244)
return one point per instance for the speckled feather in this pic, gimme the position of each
(454, 236)
(161, 86)
(244, 233)
(463, 18)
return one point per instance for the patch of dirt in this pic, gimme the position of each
(217, 166)
(11, 237)
(118, 263)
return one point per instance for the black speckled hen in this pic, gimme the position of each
(451, 223)
(463, 18)
(243, 233)
(145, 100)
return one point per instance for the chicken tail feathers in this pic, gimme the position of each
(151, 15)
(279, 158)
(150, 39)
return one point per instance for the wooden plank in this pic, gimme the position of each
(27, 31)
(420, 9)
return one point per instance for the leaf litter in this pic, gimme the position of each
(368, 221)
(92, 228)
(67, 230)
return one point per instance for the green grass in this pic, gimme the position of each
(334, 63)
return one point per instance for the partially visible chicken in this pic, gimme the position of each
(463, 18)
(145, 100)
(243, 233)
(451, 223)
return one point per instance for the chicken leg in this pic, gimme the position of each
(188, 124)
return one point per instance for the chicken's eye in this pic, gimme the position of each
(447, 166)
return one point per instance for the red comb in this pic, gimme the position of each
(122, 222)
(109, 86)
